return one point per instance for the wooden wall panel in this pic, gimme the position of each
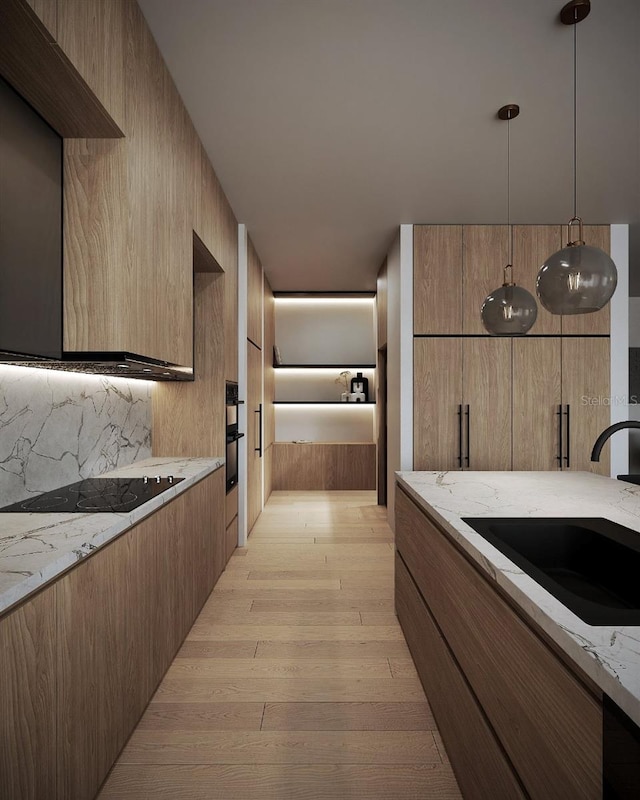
(231, 539)
(27, 700)
(484, 256)
(268, 472)
(91, 33)
(269, 373)
(253, 439)
(320, 465)
(437, 279)
(189, 418)
(47, 11)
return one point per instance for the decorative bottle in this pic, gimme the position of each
(360, 385)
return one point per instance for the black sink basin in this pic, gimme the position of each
(591, 565)
(630, 479)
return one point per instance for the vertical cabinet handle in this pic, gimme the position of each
(460, 436)
(258, 411)
(560, 437)
(468, 416)
(567, 457)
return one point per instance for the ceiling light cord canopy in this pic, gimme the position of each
(510, 310)
(579, 278)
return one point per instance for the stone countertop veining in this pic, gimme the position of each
(35, 548)
(609, 655)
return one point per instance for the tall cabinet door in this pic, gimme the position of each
(437, 398)
(532, 246)
(586, 391)
(487, 397)
(255, 413)
(536, 402)
(485, 249)
(437, 279)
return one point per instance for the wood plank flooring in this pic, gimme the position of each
(295, 682)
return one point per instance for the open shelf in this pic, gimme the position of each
(324, 366)
(320, 403)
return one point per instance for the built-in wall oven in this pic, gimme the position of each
(233, 435)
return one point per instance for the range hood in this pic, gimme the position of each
(120, 365)
(31, 317)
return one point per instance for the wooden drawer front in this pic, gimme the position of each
(548, 723)
(464, 728)
(231, 540)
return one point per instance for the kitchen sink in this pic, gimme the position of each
(591, 565)
(630, 479)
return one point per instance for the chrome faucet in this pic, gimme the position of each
(606, 433)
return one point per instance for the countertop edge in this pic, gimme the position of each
(67, 539)
(570, 634)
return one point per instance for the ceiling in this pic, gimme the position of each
(330, 122)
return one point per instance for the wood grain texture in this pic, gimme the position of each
(231, 505)
(348, 717)
(254, 443)
(269, 373)
(189, 418)
(27, 699)
(600, 321)
(536, 397)
(311, 700)
(231, 539)
(255, 293)
(47, 12)
(532, 246)
(437, 395)
(91, 34)
(540, 712)
(273, 782)
(586, 388)
(43, 74)
(481, 767)
(320, 465)
(486, 389)
(437, 279)
(484, 256)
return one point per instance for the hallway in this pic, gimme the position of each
(295, 682)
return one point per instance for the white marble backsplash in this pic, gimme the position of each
(60, 427)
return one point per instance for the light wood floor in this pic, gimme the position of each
(295, 682)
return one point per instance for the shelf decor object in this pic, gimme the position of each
(580, 278)
(510, 310)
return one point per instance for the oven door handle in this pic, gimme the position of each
(234, 437)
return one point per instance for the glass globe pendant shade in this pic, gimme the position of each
(509, 311)
(579, 279)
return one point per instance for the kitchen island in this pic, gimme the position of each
(525, 661)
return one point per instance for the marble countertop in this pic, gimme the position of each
(610, 656)
(37, 548)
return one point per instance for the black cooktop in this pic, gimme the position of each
(95, 495)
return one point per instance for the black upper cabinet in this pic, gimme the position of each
(30, 231)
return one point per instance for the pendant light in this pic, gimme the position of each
(509, 310)
(580, 278)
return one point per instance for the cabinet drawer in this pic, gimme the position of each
(541, 713)
(231, 506)
(231, 540)
(460, 719)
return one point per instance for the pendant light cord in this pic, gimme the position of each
(575, 120)
(510, 254)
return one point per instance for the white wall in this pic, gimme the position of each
(347, 422)
(620, 342)
(399, 361)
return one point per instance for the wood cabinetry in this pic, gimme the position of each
(561, 390)
(456, 266)
(539, 712)
(255, 411)
(324, 466)
(462, 403)
(81, 660)
(254, 295)
(47, 11)
(27, 700)
(486, 403)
